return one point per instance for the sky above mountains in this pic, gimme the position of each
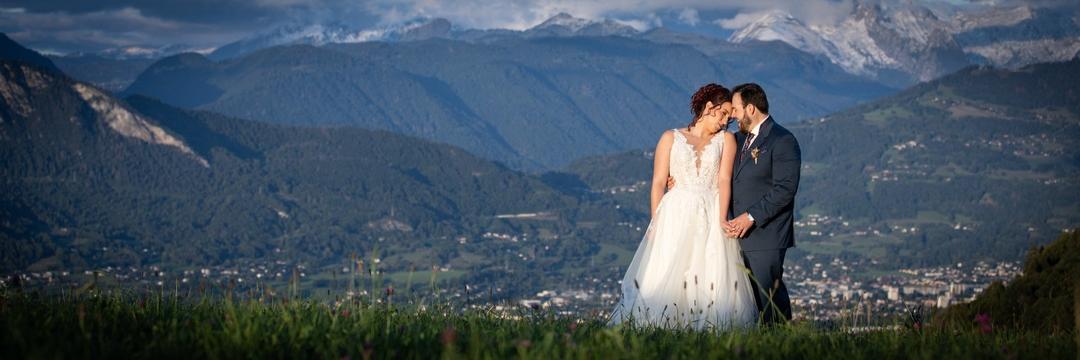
(63, 26)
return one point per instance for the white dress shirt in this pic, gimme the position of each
(757, 128)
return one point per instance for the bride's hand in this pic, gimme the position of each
(729, 229)
(741, 224)
(670, 182)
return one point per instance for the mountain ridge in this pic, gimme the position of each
(84, 194)
(530, 103)
(881, 37)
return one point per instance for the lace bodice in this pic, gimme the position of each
(691, 169)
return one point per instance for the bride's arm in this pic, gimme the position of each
(660, 171)
(727, 166)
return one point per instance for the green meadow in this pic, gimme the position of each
(92, 324)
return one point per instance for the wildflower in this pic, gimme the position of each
(448, 336)
(985, 323)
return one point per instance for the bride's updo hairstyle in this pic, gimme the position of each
(709, 92)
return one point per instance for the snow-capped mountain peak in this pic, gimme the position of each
(873, 38)
(781, 26)
(984, 18)
(145, 52)
(564, 24)
(314, 34)
(563, 20)
(416, 29)
(915, 24)
(886, 37)
(847, 44)
(326, 33)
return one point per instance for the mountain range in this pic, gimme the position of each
(318, 34)
(905, 42)
(11, 50)
(532, 103)
(109, 73)
(93, 181)
(896, 42)
(980, 164)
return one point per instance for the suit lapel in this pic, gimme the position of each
(758, 140)
(740, 139)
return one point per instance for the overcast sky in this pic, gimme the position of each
(63, 26)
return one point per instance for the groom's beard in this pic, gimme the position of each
(744, 124)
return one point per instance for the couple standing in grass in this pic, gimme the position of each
(722, 208)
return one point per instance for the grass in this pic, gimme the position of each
(622, 255)
(129, 325)
(881, 117)
(871, 246)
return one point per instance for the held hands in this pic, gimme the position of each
(738, 227)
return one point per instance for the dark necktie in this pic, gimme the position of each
(746, 145)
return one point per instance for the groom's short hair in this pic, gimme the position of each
(752, 94)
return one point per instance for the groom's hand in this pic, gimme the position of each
(670, 182)
(740, 225)
(730, 229)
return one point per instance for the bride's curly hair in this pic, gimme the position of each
(709, 92)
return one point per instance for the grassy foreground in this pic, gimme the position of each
(129, 326)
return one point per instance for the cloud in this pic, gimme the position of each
(1033, 3)
(647, 22)
(741, 20)
(809, 12)
(482, 14)
(523, 14)
(102, 29)
(689, 16)
(82, 24)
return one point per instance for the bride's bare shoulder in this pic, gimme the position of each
(729, 137)
(667, 139)
(668, 136)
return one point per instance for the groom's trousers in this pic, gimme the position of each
(767, 268)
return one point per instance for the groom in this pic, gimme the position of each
(764, 182)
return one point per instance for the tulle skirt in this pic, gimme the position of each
(687, 273)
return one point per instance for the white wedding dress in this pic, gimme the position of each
(686, 272)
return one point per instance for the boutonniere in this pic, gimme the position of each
(754, 154)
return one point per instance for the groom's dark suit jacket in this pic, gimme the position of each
(766, 189)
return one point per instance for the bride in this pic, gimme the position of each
(686, 272)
